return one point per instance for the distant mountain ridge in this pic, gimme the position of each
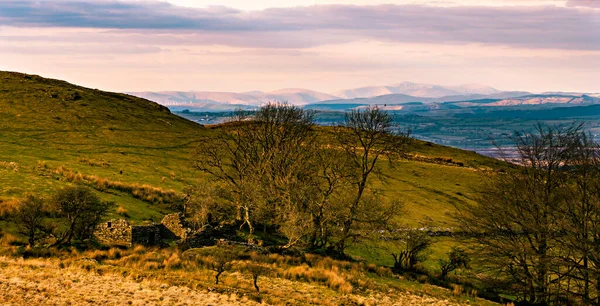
(417, 90)
(296, 96)
(404, 103)
(469, 95)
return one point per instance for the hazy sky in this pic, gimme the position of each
(241, 45)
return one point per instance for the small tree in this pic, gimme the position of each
(256, 268)
(413, 247)
(218, 258)
(366, 137)
(457, 258)
(29, 217)
(81, 210)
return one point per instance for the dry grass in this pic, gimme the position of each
(153, 276)
(122, 211)
(143, 192)
(10, 166)
(7, 207)
(85, 281)
(44, 282)
(283, 280)
(94, 163)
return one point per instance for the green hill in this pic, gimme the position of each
(48, 125)
(136, 153)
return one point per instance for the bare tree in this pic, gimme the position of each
(257, 268)
(81, 210)
(457, 258)
(366, 137)
(286, 176)
(262, 159)
(413, 246)
(580, 239)
(30, 216)
(218, 258)
(518, 221)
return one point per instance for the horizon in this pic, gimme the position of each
(181, 45)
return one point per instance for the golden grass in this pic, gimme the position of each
(83, 280)
(143, 192)
(44, 282)
(11, 166)
(122, 211)
(164, 272)
(7, 207)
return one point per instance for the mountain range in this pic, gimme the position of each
(253, 98)
(391, 97)
(416, 90)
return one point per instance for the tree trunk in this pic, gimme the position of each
(255, 278)
(217, 277)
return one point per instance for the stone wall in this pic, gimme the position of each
(177, 225)
(114, 232)
(147, 235)
(204, 237)
(173, 227)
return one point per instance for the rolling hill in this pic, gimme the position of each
(53, 130)
(137, 153)
(405, 103)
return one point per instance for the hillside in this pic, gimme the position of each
(49, 124)
(136, 153)
(50, 129)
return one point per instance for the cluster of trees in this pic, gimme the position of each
(72, 214)
(538, 229)
(272, 173)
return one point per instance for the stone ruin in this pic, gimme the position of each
(121, 233)
(173, 227)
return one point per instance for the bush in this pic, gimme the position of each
(30, 217)
(80, 210)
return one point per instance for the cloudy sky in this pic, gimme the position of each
(325, 45)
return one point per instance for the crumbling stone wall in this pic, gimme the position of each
(114, 232)
(120, 233)
(208, 235)
(173, 227)
(204, 237)
(147, 235)
(177, 225)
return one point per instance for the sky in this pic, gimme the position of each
(323, 45)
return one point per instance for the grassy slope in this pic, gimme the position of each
(113, 136)
(135, 141)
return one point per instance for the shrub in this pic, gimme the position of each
(122, 211)
(80, 210)
(30, 216)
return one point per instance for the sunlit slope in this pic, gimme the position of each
(47, 124)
